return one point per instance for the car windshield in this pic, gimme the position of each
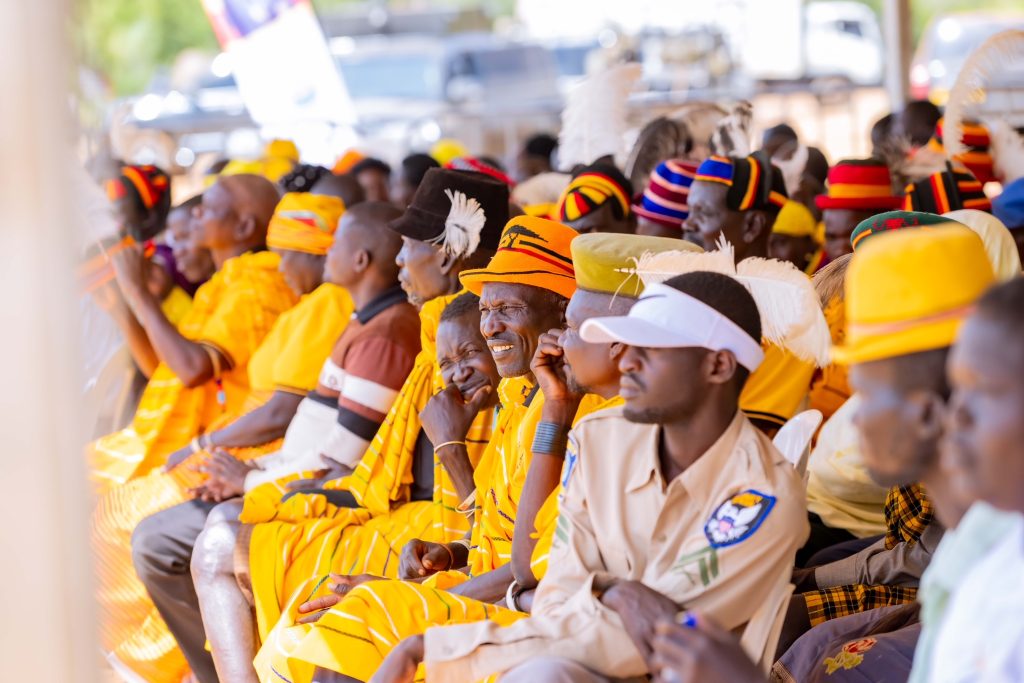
(572, 61)
(955, 40)
(408, 76)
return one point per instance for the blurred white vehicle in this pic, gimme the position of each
(843, 39)
(945, 46)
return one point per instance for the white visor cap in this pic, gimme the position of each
(665, 318)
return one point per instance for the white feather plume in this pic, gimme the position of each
(791, 315)
(1007, 151)
(595, 116)
(463, 225)
(991, 58)
(732, 134)
(654, 268)
(792, 168)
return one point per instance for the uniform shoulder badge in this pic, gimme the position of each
(738, 518)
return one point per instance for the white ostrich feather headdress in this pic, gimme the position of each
(990, 59)
(594, 120)
(462, 227)
(791, 315)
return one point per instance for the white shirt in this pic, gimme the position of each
(981, 639)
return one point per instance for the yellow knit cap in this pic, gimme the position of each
(909, 291)
(602, 261)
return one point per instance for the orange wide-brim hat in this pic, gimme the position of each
(533, 251)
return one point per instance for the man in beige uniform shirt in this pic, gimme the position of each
(674, 501)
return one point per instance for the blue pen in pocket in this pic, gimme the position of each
(686, 619)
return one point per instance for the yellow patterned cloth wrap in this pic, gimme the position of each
(232, 313)
(289, 359)
(305, 222)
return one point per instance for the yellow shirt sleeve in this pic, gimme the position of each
(176, 305)
(293, 352)
(245, 314)
(775, 391)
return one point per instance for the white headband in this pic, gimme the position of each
(665, 318)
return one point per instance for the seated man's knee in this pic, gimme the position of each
(214, 552)
(226, 512)
(152, 550)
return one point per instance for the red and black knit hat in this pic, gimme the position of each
(977, 156)
(142, 196)
(591, 188)
(949, 190)
(860, 185)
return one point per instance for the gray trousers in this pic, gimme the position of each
(162, 551)
(539, 670)
(558, 670)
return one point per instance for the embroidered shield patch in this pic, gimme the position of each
(738, 518)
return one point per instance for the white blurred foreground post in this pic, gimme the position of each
(47, 631)
(896, 29)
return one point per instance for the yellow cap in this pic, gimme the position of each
(795, 220)
(602, 261)
(446, 149)
(284, 149)
(909, 291)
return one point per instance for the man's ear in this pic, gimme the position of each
(447, 261)
(754, 225)
(930, 414)
(361, 260)
(721, 367)
(615, 351)
(245, 228)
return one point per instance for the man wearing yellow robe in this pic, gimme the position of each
(523, 293)
(202, 373)
(279, 372)
(295, 543)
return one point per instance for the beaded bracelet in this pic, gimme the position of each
(550, 438)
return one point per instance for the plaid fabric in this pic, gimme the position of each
(841, 601)
(908, 512)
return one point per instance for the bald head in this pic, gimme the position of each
(252, 196)
(344, 187)
(365, 247)
(234, 215)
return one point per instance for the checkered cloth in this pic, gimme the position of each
(841, 601)
(908, 512)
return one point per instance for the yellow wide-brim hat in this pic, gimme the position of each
(909, 291)
(533, 251)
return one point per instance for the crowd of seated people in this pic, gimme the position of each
(449, 422)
